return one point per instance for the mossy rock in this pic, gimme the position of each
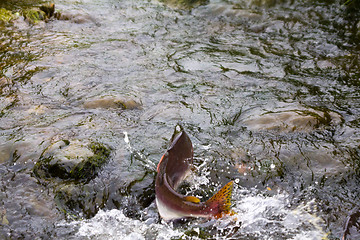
(34, 15)
(6, 15)
(73, 199)
(75, 161)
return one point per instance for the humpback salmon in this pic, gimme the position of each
(172, 169)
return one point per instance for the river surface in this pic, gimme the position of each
(268, 92)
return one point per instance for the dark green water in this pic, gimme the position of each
(267, 91)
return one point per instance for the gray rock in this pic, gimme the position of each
(71, 160)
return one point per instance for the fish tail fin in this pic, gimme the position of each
(220, 203)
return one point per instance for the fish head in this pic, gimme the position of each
(179, 158)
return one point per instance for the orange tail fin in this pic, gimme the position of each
(220, 203)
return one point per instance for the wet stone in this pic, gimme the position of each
(5, 153)
(3, 219)
(184, 4)
(73, 199)
(75, 17)
(48, 9)
(112, 103)
(294, 120)
(85, 200)
(325, 64)
(71, 160)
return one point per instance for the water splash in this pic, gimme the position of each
(258, 217)
(273, 217)
(138, 155)
(114, 224)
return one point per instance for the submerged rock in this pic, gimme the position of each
(294, 120)
(266, 3)
(5, 153)
(75, 160)
(72, 199)
(75, 17)
(37, 110)
(131, 193)
(3, 219)
(112, 103)
(184, 4)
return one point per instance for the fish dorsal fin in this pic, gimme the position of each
(221, 201)
(192, 199)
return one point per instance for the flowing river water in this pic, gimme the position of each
(268, 92)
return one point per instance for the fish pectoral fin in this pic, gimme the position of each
(192, 199)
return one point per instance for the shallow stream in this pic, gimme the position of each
(268, 92)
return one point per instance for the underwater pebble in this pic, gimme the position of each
(37, 110)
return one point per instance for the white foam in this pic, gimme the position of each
(269, 215)
(114, 224)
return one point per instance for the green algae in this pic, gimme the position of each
(34, 15)
(33, 12)
(6, 15)
(88, 168)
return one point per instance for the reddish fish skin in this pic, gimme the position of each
(178, 159)
(172, 169)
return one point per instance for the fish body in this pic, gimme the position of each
(171, 171)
